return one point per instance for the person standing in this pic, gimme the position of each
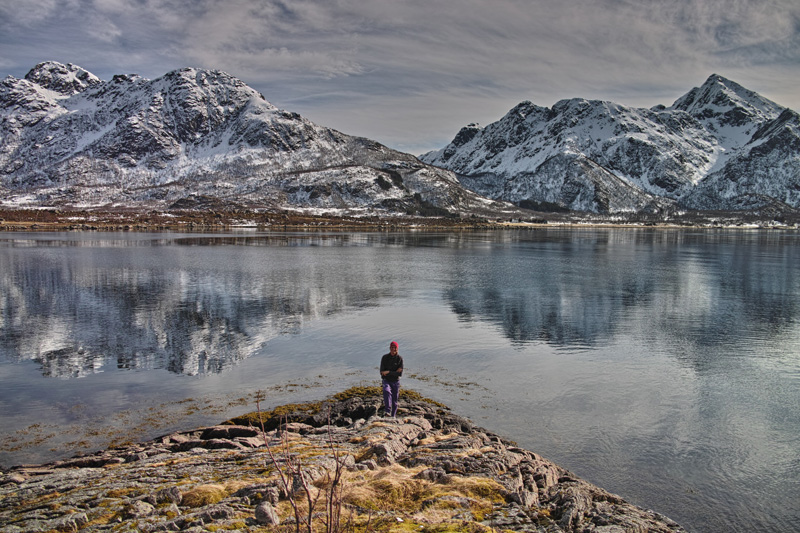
(391, 370)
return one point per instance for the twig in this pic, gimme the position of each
(334, 489)
(284, 480)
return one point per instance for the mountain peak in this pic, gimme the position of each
(217, 84)
(718, 79)
(719, 95)
(66, 79)
(722, 85)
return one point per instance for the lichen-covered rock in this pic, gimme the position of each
(266, 515)
(139, 509)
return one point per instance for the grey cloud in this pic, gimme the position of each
(411, 72)
(27, 13)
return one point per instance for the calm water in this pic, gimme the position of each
(662, 365)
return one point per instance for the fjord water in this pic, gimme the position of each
(662, 365)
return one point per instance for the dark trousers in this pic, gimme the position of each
(391, 390)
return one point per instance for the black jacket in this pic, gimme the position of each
(394, 364)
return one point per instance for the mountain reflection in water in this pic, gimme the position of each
(143, 304)
(199, 304)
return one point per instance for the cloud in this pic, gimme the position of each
(26, 13)
(395, 69)
(718, 25)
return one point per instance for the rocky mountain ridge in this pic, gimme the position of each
(195, 137)
(202, 139)
(719, 147)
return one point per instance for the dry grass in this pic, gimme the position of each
(395, 489)
(203, 495)
(211, 493)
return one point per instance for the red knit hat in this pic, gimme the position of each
(393, 344)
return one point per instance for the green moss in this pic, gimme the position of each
(357, 392)
(289, 412)
(294, 412)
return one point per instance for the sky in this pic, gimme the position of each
(411, 73)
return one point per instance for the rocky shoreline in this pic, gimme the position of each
(427, 470)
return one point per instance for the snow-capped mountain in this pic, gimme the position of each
(720, 146)
(69, 138)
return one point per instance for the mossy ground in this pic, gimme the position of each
(313, 408)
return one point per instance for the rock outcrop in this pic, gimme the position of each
(428, 466)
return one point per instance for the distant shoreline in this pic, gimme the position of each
(130, 219)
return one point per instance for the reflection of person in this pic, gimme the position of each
(391, 370)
